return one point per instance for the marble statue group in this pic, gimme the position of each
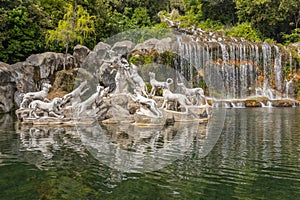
(128, 82)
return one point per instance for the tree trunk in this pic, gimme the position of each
(66, 55)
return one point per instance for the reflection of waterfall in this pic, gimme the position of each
(232, 67)
(259, 134)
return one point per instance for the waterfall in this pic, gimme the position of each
(233, 68)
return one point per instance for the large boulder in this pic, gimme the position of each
(7, 88)
(50, 62)
(147, 46)
(123, 48)
(163, 45)
(80, 53)
(96, 57)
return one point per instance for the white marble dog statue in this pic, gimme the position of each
(138, 80)
(40, 95)
(146, 101)
(193, 92)
(75, 94)
(50, 107)
(157, 84)
(175, 97)
(92, 100)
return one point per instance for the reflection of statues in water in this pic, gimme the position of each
(51, 108)
(150, 103)
(40, 95)
(129, 148)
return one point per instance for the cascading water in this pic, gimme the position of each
(233, 68)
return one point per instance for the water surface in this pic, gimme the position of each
(239, 154)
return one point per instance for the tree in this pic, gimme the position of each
(76, 25)
(22, 26)
(270, 17)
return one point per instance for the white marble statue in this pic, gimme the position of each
(122, 77)
(51, 107)
(140, 85)
(75, 94)
(157, 84)
(40, 95)
(93, 100)
(177, 98)
(193, 93)
(150, 103)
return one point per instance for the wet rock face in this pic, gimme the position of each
(7, 88)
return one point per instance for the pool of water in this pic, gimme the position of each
(239, 154)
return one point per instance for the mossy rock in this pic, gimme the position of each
(63, 83)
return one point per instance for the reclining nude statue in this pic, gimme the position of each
(40, 95)
(51, 108)
(150, 103)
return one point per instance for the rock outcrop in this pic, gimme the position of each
(7, 88)
(28, 76)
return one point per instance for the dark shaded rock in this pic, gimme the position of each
(80, 53)
(63, 83)
(7, 87)
(133, 106)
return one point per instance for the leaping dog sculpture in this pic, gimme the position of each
(40, 95)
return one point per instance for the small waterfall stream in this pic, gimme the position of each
(233, 68)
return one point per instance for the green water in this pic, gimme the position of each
(239, 154)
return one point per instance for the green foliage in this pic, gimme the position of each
(270, 17)
(21, 31)
(244, 30)
(24, 25)
(293, 37)
(75, 26)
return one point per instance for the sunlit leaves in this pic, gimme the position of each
(76, 25)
